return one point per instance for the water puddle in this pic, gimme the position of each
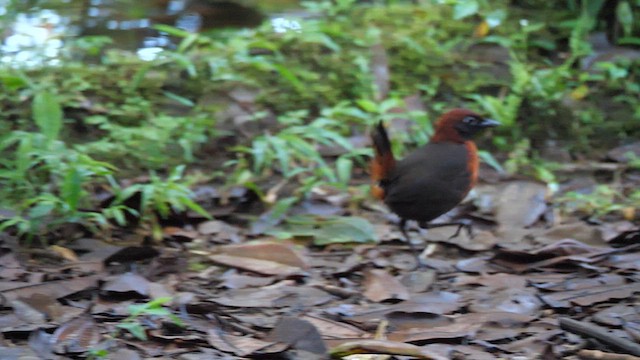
(34, 33)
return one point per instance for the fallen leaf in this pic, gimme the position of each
(497, 281)
(274, 296)
(380, 286)
(264, 267)
(520, 205)
(327, 230)
(334, 330)
(128, 284)
(55, 289)
(284, 253)
(514, 300)
(64, 252)
(78, 335)
(590, 296)
(298, 334)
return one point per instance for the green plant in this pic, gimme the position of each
(603, 200)
(159, 197)
(46, 180)
(153, 308)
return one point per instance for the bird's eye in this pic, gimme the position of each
(470, 120)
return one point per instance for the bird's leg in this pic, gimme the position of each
(462, 223)
(414, 250)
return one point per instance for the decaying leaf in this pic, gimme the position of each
(380, 286)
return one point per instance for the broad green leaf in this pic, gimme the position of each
(625, 16)
(47, 114)
(367, 105)
(72, 188)
(346, 229)
(495, 17)
(135, 329)
(42, 209)
(464, 8)
(328, 230)
(13, 82)
(344, 167)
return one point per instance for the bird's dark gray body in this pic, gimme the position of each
(428, 182)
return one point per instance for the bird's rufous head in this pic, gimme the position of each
(460, 125)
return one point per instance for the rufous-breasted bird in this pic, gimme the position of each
(433, 179)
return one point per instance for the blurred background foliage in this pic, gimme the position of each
(264, 93)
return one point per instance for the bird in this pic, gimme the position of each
(432, 179)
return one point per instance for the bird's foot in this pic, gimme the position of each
(461, 223)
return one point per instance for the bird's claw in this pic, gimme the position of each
(460, 223)
(467, 225)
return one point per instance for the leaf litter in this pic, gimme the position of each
(327, 281)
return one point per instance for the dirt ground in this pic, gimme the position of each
(531, 283)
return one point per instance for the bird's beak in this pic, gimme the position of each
(489, 123)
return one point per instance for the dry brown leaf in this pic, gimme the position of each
(335, 330)
(78, 335)
(298, 334)
(513, 300)
(497, 281)
(64, 252)
(264, 267)
(280, 252)
(590, 296)
(55, 289)
(519, 205)
(380, 286)
(274, 296)
(130, 283)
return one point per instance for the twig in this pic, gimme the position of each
(597, 332)
(382, 347)
(600, 355)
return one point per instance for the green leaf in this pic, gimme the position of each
(135, 329)
(187, 42)
(42, 209)
(158, 302)
(490, 160)
(47, 114)
(180, 99)
(259, 152)
(172, 30)
(13, 82)
(289, 76)
(346, 229)
(625, 16)
(281, 150)
(464, 8)
(367, 105)
(72, 188)
(495, 17)
(328, 230)
(344, 167)
(192, 205)
(273, 216)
